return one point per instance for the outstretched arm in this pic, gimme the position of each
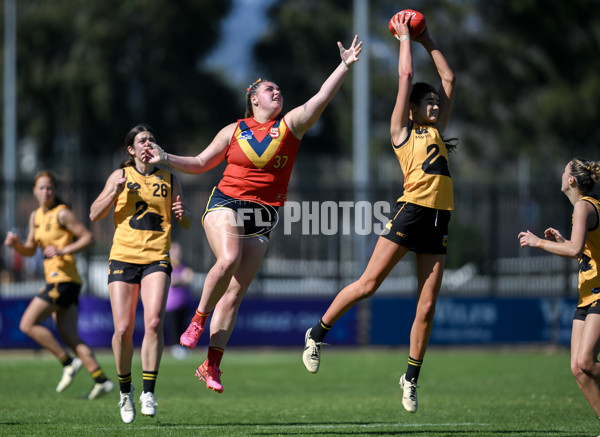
(446, 91)
(302, 118)
(583, 214)
(208, 159)
(399, 124)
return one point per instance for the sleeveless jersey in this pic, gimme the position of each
(589, 280)
(48, 232)
(143, 218)
(259, 161)
(424, 161)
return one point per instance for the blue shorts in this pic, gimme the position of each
(257, 219)
(418, 228)
(119, 271)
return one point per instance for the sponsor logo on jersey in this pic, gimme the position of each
(274, 132)
(246, 135)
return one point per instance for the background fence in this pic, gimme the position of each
(321, 244)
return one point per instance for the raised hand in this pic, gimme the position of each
(350, 55)
(153, 154)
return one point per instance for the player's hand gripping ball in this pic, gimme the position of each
(416, 23)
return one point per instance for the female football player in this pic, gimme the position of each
(578, 181)
(54, 228)
(420, 220)
(139, 264)
(260, 151)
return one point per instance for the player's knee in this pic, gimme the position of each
(585, 364)
(152, 323)
(575, 370)
(25, 327)
(227, 264)
(122, 331)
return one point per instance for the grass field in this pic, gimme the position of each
(464, 392)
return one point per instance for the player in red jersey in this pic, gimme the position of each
(260, 151)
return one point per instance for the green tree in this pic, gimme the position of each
(90, 70)
(299, 52)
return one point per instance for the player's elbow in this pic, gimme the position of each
(405, 75)
(450, 77)
(574, 252)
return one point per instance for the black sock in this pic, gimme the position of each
(66, 360)
(125, 383)
(99, 375)
(149, 379)
(319, 331)
(413, 369)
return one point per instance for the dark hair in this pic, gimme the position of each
(418, 92)
(54, 181)
(586, 173)
(130, 161)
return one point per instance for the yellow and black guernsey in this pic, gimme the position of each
(589, 281)
(423, 158)
(47, 231)
(143, 218)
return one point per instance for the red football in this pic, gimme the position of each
(416, 23)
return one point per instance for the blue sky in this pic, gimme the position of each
(233, 54)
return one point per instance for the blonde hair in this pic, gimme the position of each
(586, 173)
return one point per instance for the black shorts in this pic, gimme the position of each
(62, 294)
(582, 312)
(134, 273)
(257, 219)
(418, 228)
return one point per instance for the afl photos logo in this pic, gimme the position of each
(242, 219)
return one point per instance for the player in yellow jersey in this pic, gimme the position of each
(578, 181)
(420, 220)
(139, 264)
(54, 228)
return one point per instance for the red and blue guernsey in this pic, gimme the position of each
(260, 159)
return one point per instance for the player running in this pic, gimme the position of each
(54, 228)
